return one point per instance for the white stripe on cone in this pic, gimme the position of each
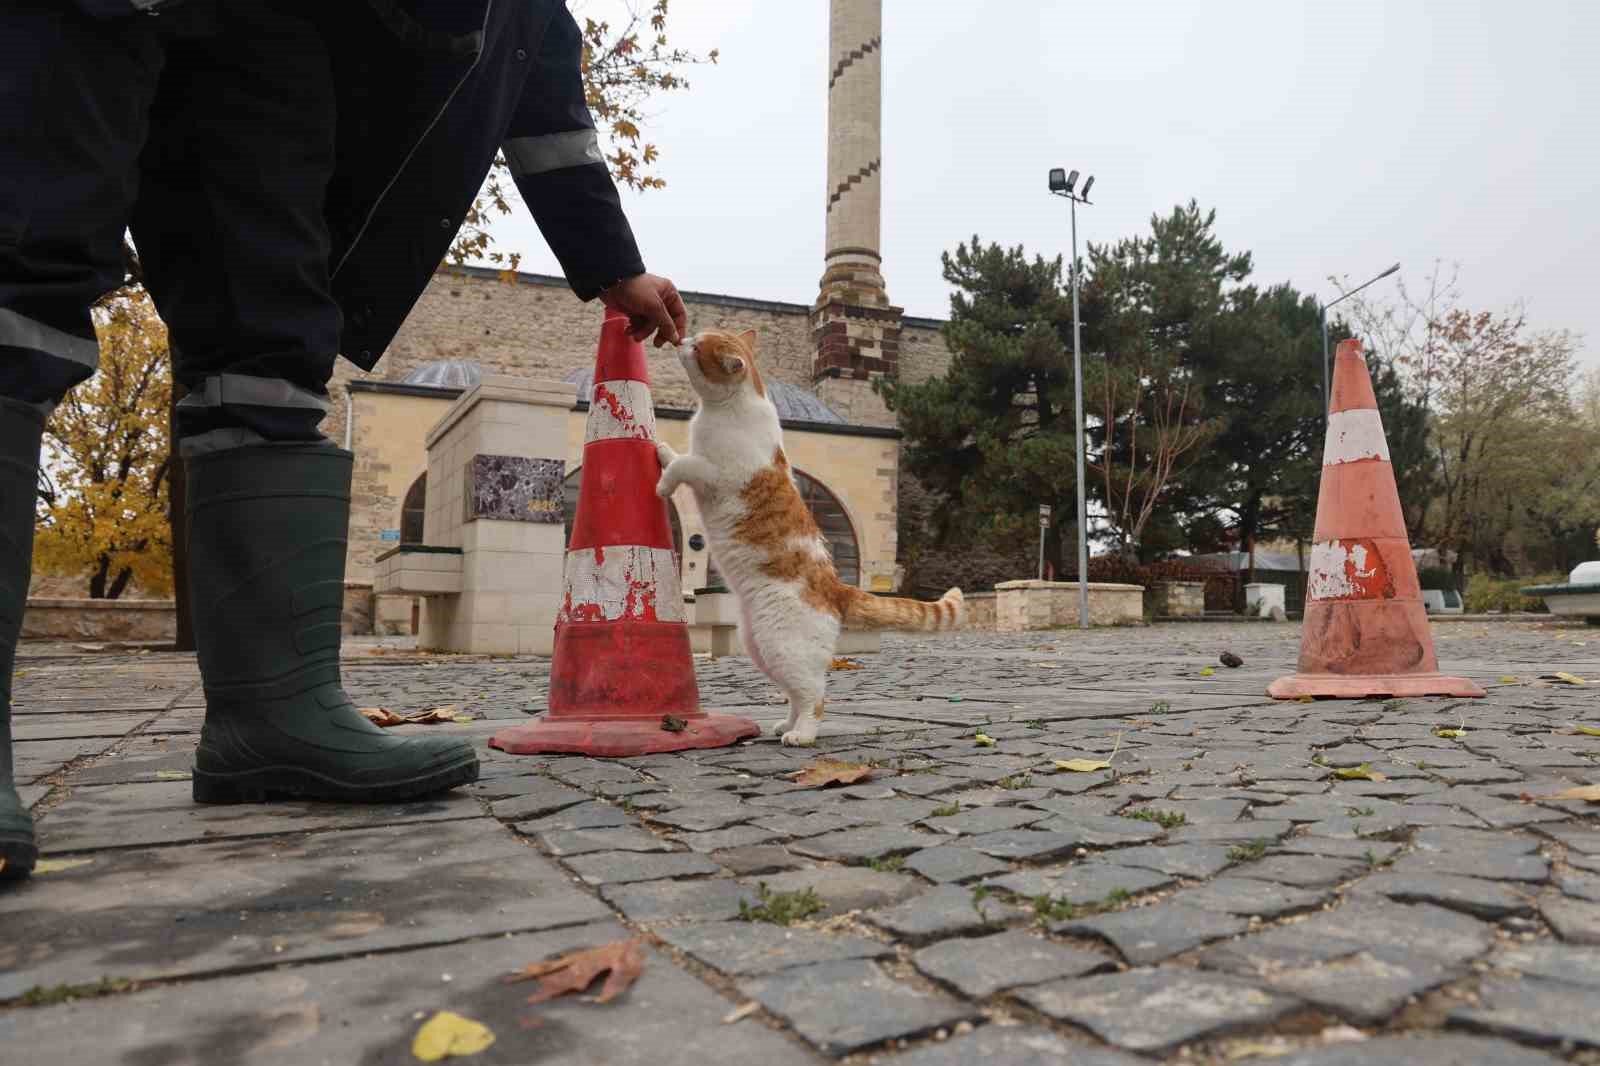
(1353, 435)
(1334, 568)
(622, 584)
(620, 410)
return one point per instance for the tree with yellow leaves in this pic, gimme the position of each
(103, 508)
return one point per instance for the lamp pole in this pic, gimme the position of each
(1061, 184)
(1327, 393)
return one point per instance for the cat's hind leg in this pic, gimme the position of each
(805, 715)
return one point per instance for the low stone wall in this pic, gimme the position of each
(1178, 599)
(48, 618)
(1024, 605)
(980, 610)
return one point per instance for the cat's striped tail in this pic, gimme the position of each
(865, 611)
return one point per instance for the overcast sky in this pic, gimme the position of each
(1331, 139)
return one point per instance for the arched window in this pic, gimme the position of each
(569, 511)
(413, 510)
(836, 529)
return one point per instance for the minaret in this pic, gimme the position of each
(855, 331)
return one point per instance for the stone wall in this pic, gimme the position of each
(1178, 599)
(1025, 605)
(99, 620)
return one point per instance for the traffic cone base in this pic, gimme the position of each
(1366, 632)
(622, 663)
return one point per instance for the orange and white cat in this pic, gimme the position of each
(766, 544)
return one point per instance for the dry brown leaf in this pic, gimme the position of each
(841, 663)
(382, 716)
(673, 724)
(1587, 793)
(824, 772)
(446, 713)
(1082, 766)
(739, 1014)
(622, 961)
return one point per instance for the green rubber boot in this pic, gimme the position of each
(21, 426)
(267, 528)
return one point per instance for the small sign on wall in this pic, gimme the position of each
(388, 534)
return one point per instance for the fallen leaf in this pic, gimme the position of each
(841, 663)
(1364, 772)
(1048, 666)
(438, 714)
(1587, 730)
(449, 1035)
(1082, 766)
(382, 716)
(1591, 793)
(1564, 678)
(1231, 660)
(55, 866)
(466, 718)
(621, 960)
(739, 1014)
(1508, 679)
(824, 772)
(172, 775)
(984, 740)
(1449, 733)
(672, 724)
(1207, 671)
(1305, 699)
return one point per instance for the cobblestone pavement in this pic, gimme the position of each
(1220, 893)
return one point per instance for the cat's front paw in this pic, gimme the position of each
(664, 487)
(799, 738)
(665, 453)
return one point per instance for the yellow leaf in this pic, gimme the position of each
(172, 775)
(53, 866)
(1563, 676)
(1587, 730)
(449, 1035)
(841, 663)
(1508, 679)
(1207, 671)
(1364, 772)
(1449, 733)
(1591, 793)
(1082, 766)
(984, 740)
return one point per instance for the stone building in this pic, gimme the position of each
(822, 356)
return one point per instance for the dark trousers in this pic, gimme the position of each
(209, 132)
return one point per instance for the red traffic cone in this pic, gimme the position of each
(1366, 631)
(622, 660)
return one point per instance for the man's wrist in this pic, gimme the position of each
(607, 290)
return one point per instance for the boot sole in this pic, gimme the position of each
(20, 853)
(296, 783)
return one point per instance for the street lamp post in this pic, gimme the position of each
(1327, 393)
(1061, 184)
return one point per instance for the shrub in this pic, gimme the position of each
(1437, 578)
(1486, 593)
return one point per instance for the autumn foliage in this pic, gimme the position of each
(103, 501)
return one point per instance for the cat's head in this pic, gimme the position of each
(721, 365)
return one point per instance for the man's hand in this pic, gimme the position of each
(651, 304)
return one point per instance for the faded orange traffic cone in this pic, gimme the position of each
(1366, 631)
(622, 663)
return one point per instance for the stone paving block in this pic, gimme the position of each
(1146, 935)
(1153, 1010)
(709, 900)
(950, 862)
(807, 825)
(367, 1010)
(1488, 864)
(862, 844)
(1023, 845)
(149, 912)
(1576, 836)
(1081, 883)
(702, 818)
(587, 815)
(1180, 860)
(538, 798)
(1302, 871)
(1110, 831)
(984, 820)
(1574, 921)
(1231, 832)
(949, 910)
(625, 867)
(165, 813)
(981, 966)
(844, 888)
(737, 836)
(1424, 1049)
(1554, 960)
(756, 859)
(1011, 1045)
(844, 1006)
(742, 949)
(567, 842)
(1470, 895)
(1368, 851)
(35, 727)
(1369, 986)
(40, 758)
(1409, 929)
(1584, 886)
(1533, 1009)
(1264, 899)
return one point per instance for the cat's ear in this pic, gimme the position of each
(749, 339)
(732, 365)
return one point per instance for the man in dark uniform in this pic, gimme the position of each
(292, 174)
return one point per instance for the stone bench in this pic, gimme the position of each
(1578, 598)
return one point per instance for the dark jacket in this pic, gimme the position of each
(428, 91)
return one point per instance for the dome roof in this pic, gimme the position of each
(446, 374)
(794, 404)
